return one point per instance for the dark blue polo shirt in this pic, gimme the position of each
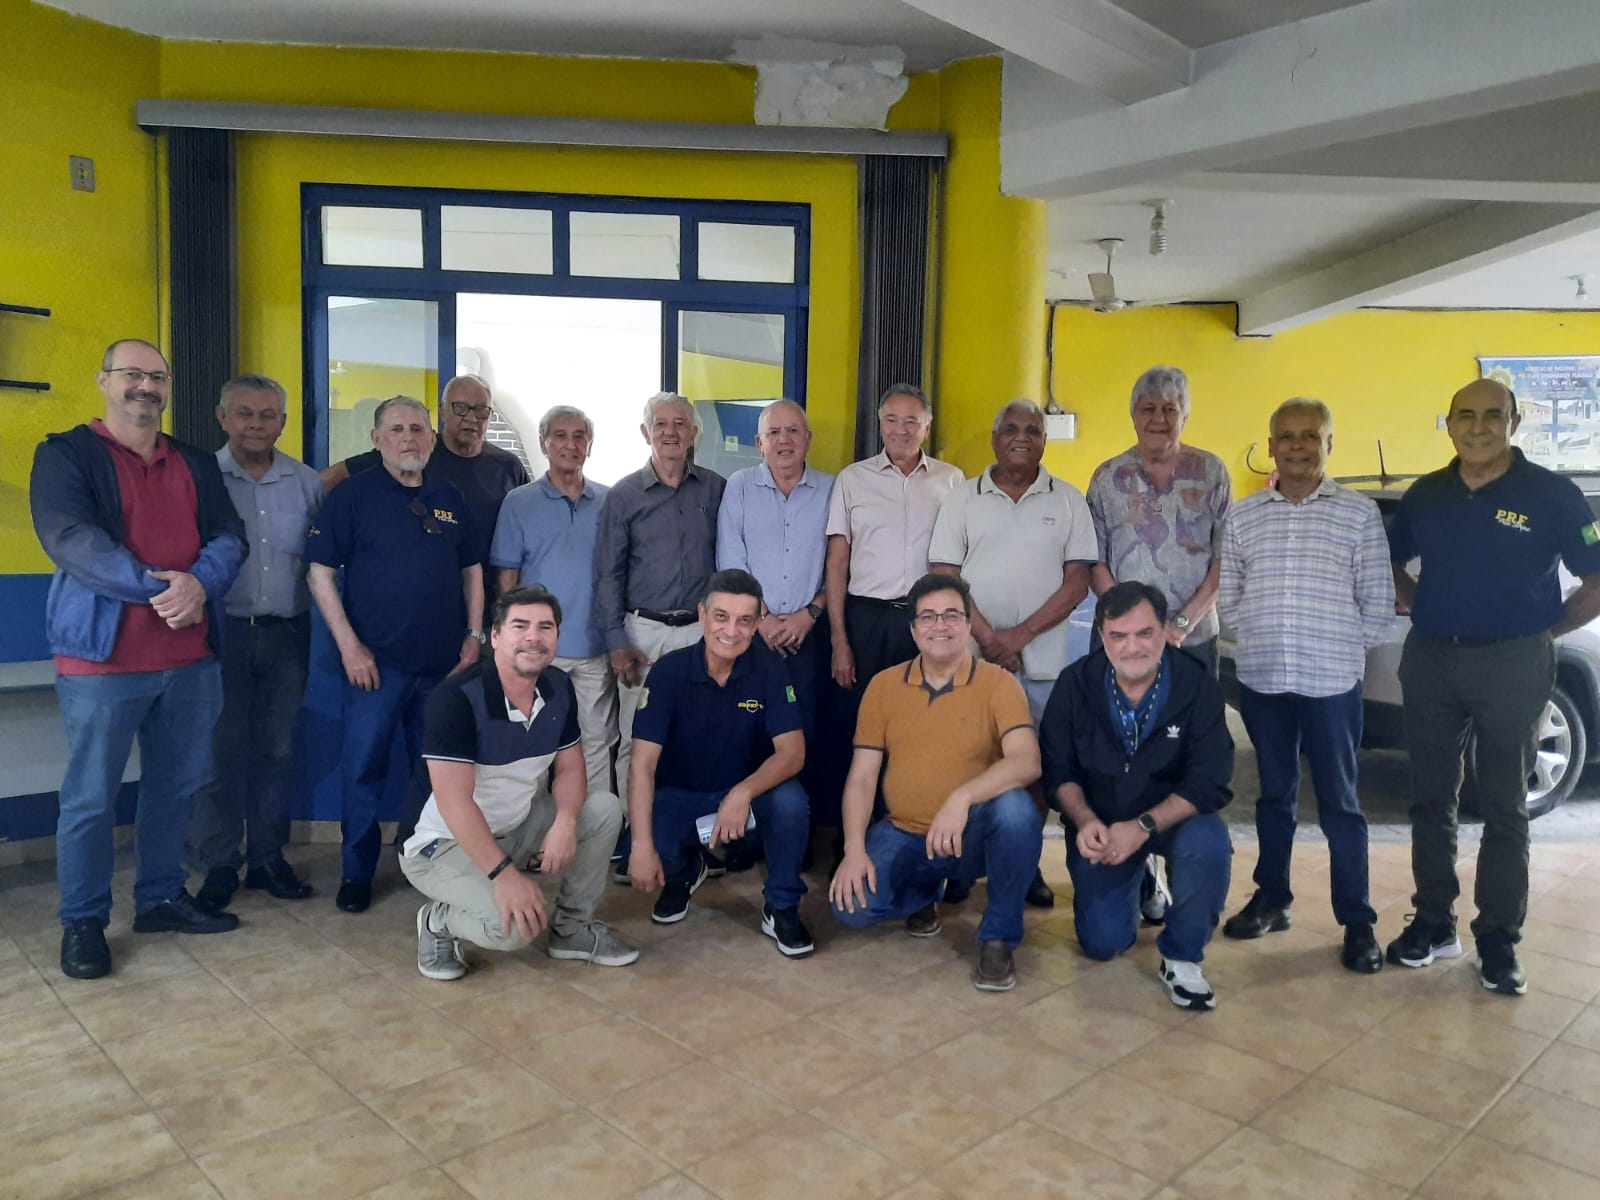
(402, 584)
(1490, 557)
(712, 737)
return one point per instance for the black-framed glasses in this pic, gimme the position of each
(927, 618)
(429, 523)
(136, 376)
(461, 409)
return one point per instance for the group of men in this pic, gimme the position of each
(743, 660)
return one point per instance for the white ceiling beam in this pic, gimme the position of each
(1284, 183)
(1372, 69)
(1092, 42)
(1480, 236)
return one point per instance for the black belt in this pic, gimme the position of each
(1456, 639)
(899, 605)
(677, 618)
(265, 620)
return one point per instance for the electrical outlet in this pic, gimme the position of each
(82, 172)
(1439, 422)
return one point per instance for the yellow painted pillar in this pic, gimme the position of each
(991, 286)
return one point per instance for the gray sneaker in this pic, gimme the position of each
(438, 954)
(596, 944)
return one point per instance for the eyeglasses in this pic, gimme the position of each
(429, 525)
(927, 618)
(134, 375)
(461, 408)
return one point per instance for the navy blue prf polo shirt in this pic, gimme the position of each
(1490, 557)
(402, 584)
(713, 737)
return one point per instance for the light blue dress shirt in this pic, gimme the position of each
(781, 540)
(550, 541)
(277, 511)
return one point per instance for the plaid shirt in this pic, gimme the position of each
(1306, 588)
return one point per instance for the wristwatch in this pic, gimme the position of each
(815, 611)
(1182, 622)
(478, 636)
(1147, 823)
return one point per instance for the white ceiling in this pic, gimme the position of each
(1320, 154)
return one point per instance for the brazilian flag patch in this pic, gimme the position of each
(789, 688)
(1591, 533)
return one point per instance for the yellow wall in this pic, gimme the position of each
(716, 377)
(1386, 374)
(68, 86)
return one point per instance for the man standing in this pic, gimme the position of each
(508, 794)
(772, 524)
(717, 739)
(1306, 588)
(1137, 757)
(411, 612)
(950, 737)
(656, 549)
(546, 535)
(264, 654)
(1490, 529)
(144, 539)
(1024, 541)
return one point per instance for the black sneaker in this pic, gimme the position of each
(956, 891)
(784, 926)
(216, 893)
(672, 905)
(1256, 918)
(715, 865)
(182, 914)
(1361, 953)
(1498, 968)
(1039, 894)
(84, 953)
(1423, 941)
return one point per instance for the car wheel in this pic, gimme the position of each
(1559, 756)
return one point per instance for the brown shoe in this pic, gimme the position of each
(995, 971)
(924, 922)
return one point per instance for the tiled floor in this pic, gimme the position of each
(303, 1056)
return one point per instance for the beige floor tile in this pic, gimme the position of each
(710, 1020)
(135, 958)
(1255, 1023)
(63, 1090)
(22, 985)
(240, 1102)
(333, 1157)
(487, 971)
(1451, 1032)
(1571, 914)
(58, 1160)
(673, 1187)
(1129, 985)
(1546, 1125)
(1020, 1163)
(922, 1189)
(294, 968)
(810, 984)
(1570, 1071)
(1562, 942)
(1089, 1032)
(432, 1184)
(1395, 1145)
(600, 1059)
(40, 1032)
(1252, 1165)
(626, 989)
(684, 1124)
(574, 1155)
(460, 1110)
(361, 1006)
(1538, 1011)
(512, 1017)
(1002, 1069)
(392, 1057)
(1585, 1029)
(897, 1024)
(1560, 976)
(803, 1063)
(799, 1160)
(1481, 1169)
(169, 1000)
(181, 1181)
(1143, 1127)
(1415, 1080)
(1215, 1077)
(912, 1117)
(160, 1058)
(950, 983)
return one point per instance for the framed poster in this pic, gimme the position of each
(1559, 398)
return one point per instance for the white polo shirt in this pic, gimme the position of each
(1012, 552)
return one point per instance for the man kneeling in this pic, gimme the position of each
(1137, 757)
(952, 738)
(492, 733)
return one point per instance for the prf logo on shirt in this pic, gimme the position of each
(444, 516)
(1513, 520)
(751, 706)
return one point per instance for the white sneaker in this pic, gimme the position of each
(1186, 985)
(438, 955)
(596, 944)
(1154, 896)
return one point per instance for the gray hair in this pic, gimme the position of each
(661, 398)
(253, 383)
(787, 403)
(465, 377)
(401, 401)
(561, 412)
(1302, 404)
(1020, 404)
(1169, 383)
(110, 356)
(906, 389)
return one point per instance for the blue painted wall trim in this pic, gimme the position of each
(22, 617)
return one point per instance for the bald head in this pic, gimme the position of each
(1481, 393)
(1483, 418)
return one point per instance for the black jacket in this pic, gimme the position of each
(1190, 751)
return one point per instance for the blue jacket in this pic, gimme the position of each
(77, 514)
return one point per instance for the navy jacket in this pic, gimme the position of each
(1189, 753)
(77, 514)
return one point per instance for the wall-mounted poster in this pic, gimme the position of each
(1559, 397)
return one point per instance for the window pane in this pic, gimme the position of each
(625, 245)
(731, 366)
(513, 240)
(376, 349)
(372, 237)
(752, 253)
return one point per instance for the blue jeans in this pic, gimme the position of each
(370, 722)
(1002, 840)
(1328, 729)
(172, 714)
(1105, 901)
(254, 773)
(783, 823)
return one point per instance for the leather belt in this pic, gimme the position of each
(898, 605)
(677, 618)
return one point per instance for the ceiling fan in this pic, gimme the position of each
(1103, 285)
